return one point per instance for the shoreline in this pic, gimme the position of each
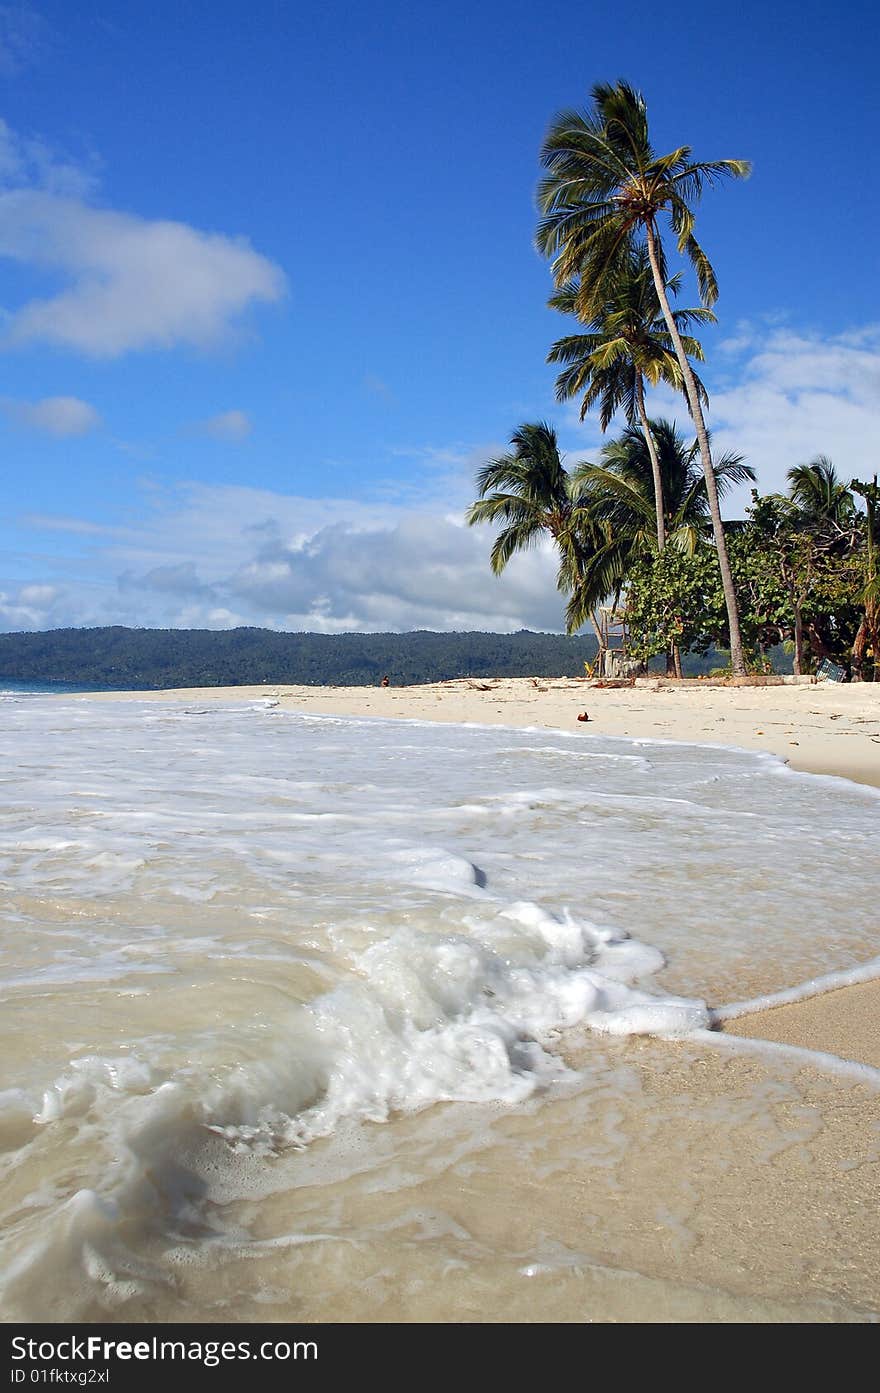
(831, 729)
(828, 729)
(715, 1177)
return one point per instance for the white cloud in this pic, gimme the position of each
(58, 416)
(415, 571)
(784, 398)
(228, 425)
(216, 556)
(32, 607)
(129, 282)
(134, 283)
(802, 395)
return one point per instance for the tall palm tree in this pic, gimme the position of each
(605, 188)
(530, 491)
(626, 342)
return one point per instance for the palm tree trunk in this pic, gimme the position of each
(600, 643)
(655, 462)
(737, 661)
(798, 642)
(859, 650)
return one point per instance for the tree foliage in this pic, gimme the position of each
(800, 577)
(135, 659)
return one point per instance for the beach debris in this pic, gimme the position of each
(481, 686)
(582, 716)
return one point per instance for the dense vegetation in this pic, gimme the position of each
(804, 564)
(154, 659)
(158, 658)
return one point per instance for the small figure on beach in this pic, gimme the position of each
(583, 716)
(384, 682)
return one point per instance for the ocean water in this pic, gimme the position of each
(50, 688)
(323, 1018)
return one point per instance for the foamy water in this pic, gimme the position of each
(236, 938)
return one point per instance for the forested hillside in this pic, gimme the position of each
(157, 658)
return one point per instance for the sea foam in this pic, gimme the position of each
(234, 931)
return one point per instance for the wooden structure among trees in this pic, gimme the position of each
(614, 659)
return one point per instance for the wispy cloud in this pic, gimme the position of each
(24, 36)
(227, 425)
(377, 386)
(28, 162)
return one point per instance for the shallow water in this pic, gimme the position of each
(281, 992)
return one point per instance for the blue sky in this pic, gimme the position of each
(269, 293)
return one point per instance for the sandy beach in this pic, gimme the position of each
(825, 728)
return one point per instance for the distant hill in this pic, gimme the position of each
(155, 658)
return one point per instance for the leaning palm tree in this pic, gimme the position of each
(626, 343)
(605, 189)
(530, 492)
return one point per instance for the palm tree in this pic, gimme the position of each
(620, 488)
(819, 504)
(606, 187)
(869, 628)
(532, 494)
(618, 494)
(626, 342)
(821, 500)
(529, 490)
